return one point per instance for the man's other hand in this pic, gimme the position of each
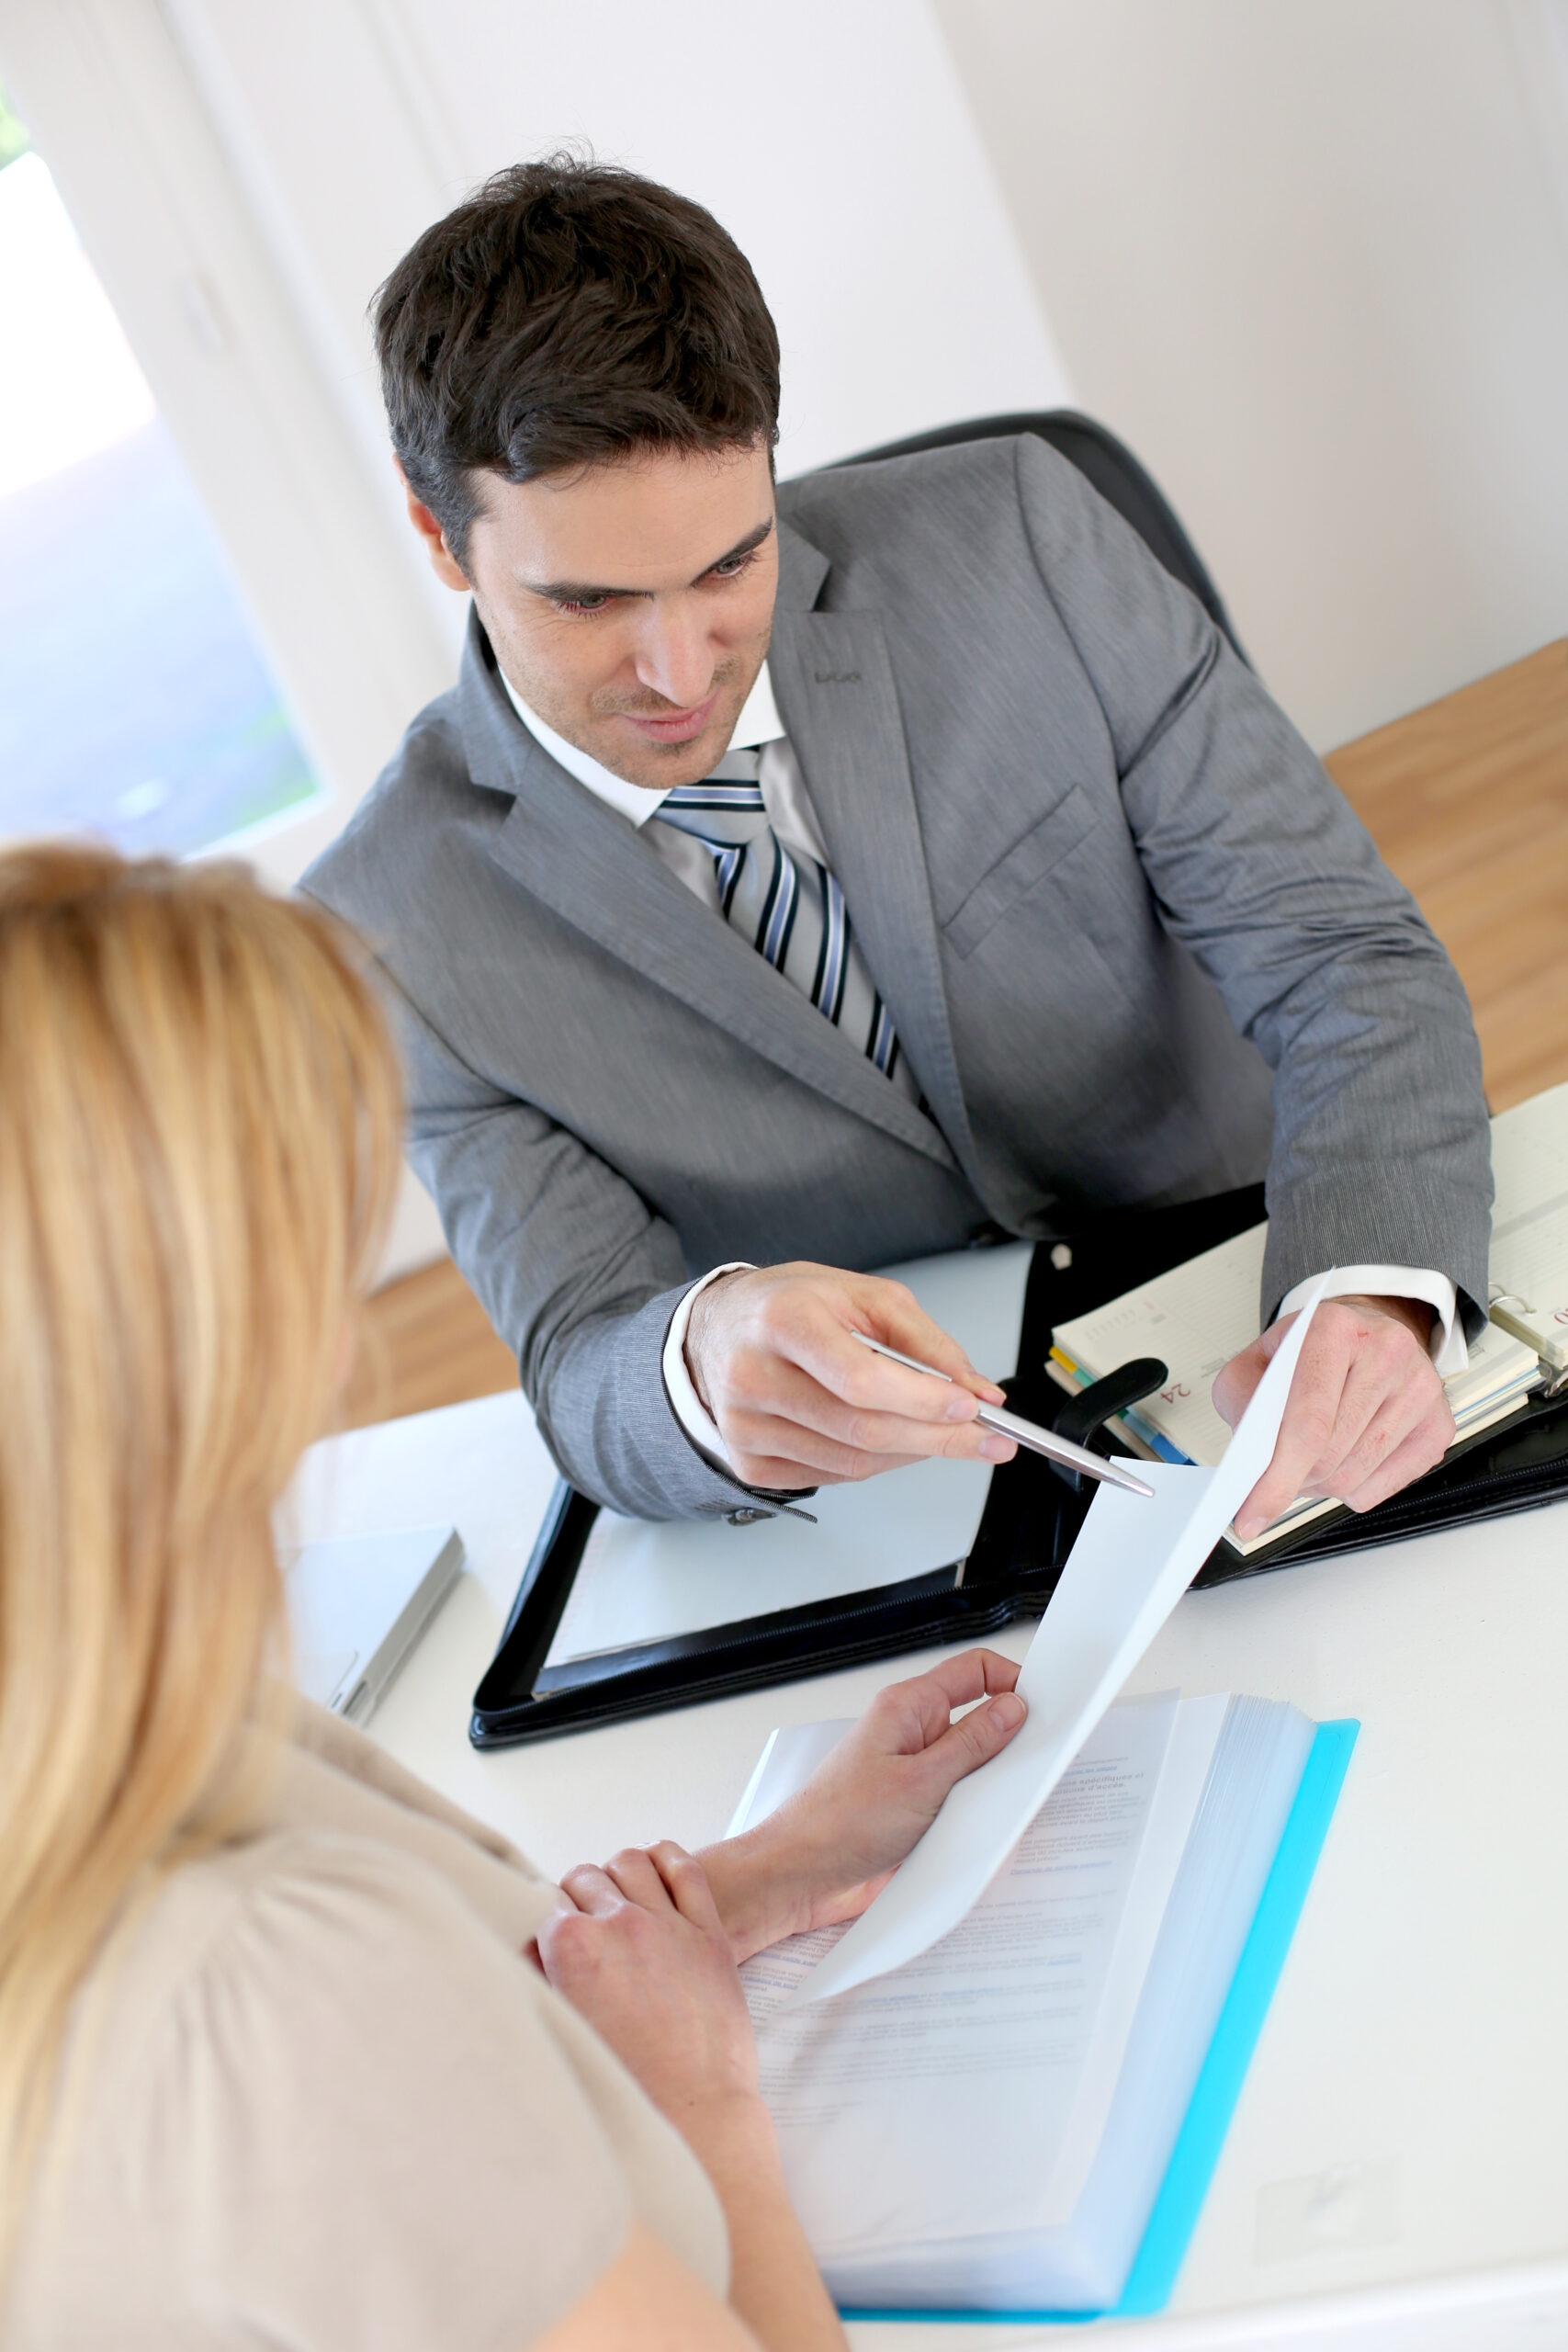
(799, 1402)
(1366, 1413)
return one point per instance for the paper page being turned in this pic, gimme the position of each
(1131, 1565)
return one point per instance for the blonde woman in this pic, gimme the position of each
(277, 2063)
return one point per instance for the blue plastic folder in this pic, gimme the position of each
(1192, 2160)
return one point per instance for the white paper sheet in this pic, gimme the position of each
(1133, 1561)
(789, 1758)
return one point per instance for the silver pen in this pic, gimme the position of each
(1022, 1432)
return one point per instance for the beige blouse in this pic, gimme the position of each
(318, 2099)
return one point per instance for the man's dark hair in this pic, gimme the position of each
(565, 314)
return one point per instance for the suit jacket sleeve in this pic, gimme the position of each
(1381, 1150)
(575, 1273)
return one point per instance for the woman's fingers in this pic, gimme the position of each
(977, 1737)
(660, 1878)
(645, 1961)
(973, 1674)
(909, 1716)
(591, 1889)
(828, 1850)
(686, 1884)
(906, 1751)
(632, 1870)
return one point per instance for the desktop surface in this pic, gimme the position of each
(1396, 2173)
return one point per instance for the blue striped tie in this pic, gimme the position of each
(790, 909)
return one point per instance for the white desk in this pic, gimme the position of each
(1396, 2175)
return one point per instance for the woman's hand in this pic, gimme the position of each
(644, 1956)
(826, 1851)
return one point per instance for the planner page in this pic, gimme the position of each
(1194, 1318)
(1529, 1263)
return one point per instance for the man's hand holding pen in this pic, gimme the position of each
(773, 1355)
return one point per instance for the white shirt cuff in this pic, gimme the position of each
(688, 1407)
(1447, 1345)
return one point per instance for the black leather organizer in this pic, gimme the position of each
(1033, 1513)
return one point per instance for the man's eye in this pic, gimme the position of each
(734, 565)
(584, 604)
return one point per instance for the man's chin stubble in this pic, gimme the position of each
(661, 765)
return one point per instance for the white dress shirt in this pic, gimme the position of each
(785, 797)
(790, 812)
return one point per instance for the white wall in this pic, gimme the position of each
(1310, 257)
(833, 143)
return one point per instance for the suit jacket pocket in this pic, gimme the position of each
(1020, 870)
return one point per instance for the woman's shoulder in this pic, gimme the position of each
(314, 2088)
(320, 1901)
(329, 1776)
(311, 1955)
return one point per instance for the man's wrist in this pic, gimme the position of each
(699, 1318)
(687, 1405)
(1406, 1287)
(1416, 1314)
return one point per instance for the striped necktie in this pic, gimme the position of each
(788, 906)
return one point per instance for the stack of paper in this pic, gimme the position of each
(988, 2128)
(1530, 1225)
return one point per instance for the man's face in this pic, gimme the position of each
(630, 604)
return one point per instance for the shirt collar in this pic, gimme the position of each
(759, 723)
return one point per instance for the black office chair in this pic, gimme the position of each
(1104, 460)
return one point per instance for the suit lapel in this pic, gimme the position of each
(598, 873)
(834, 684)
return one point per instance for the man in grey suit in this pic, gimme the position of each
(789, 887)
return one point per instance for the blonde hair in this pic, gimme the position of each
(199, 1116)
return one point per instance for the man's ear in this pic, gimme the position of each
(444, 563)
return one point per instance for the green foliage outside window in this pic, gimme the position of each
(14, 140)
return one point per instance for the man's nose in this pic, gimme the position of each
(676, 656)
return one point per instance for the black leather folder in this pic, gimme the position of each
(1033, 1513)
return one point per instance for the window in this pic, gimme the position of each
(134, 702)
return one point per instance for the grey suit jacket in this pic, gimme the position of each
(1137, 947)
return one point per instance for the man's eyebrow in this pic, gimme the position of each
(578, 592)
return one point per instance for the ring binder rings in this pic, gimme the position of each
(1029, 1520)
